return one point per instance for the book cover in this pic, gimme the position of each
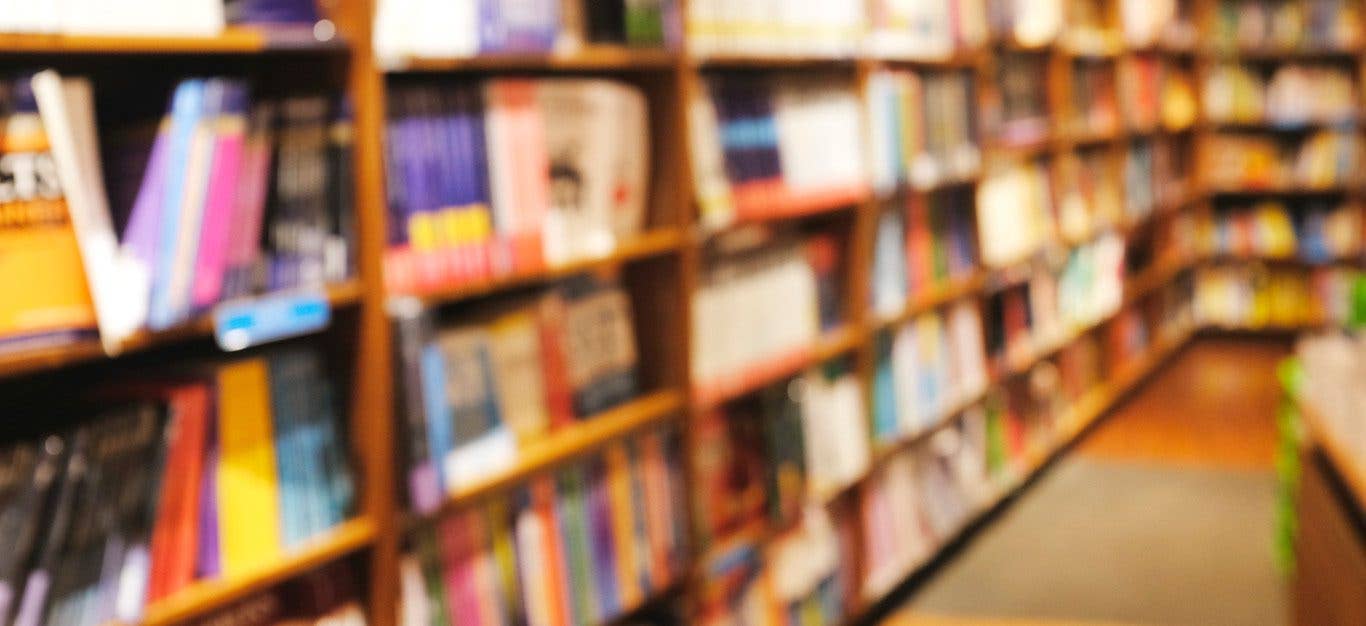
(247, 474)
(224, 184)
(175, 536)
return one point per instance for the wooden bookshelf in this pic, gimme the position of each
(590, 58)
(233, 40)
(574, 442)
(341, 295)
(832, 344)
(207, 596)
(1349, 466)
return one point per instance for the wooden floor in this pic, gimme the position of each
(1213, 405)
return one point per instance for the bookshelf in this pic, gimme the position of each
(1082, 119)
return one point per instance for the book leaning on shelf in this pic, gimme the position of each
(584, 545)
(221, 199)
(508, 176)
(776, 146)
(465, 28)
(925, 246)
(924, 129)
(1253, 296)
(925, 369)
(1320, 160)
(472, 393)
(217, 474)
(775, 28)
(1262, 25)
(1315, 232)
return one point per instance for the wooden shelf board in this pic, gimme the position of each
(936, 297)
(56, 357)
(1269, 54)
(203, 598)
(959, 59)
(831, 345)
(1281, 190)
(773, 61)
(651, 244)
(591, 58)
(1283, 261)
(233, 40)
(571, 443)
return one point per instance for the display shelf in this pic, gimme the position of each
(56, 357)
(202, 598)
(566, 444)
(590, 58)
(726, 388)
(233, 40)
(1349, 466)
(935, 297)
(655, 243)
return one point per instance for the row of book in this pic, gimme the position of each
(500, 177)
(1313, 231)
(476, 389)
(923, 128)
(1254, 296)
(1322, 159)
(580, 547)
(760, 459)
(801, 577)
(223, 198)
(1286, 25)
(1095, 98)
(762, 305)
(218, 473)
(773, 146)
(1289, 96)
(150, 17)
(923, 243)
(927, 368)
(1017, 111)
(449, 30)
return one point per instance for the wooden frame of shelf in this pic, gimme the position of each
(233, 40)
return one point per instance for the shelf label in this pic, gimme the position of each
(242, 324)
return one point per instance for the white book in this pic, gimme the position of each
(67, 109)
(188, 18)
(29, 16)
(906, 376)
(580, 132)
(709, 166)
(415, 610)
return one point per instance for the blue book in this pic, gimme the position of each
(885, 422)
(518, 26)
(187, 110)
(599, 516)
(286, 393)
(302, 12)
(440, 435)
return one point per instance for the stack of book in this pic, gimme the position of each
(776, 146)
(1027, 23)
(447, 30)
(931, 29)
(799, 577)
(218, 474)
(1017, 111)
(920, 497)
(197, 18)
(761, 309)
(1089, 193)
(926, 246)
(1250, 296)
(1291, 96)
(1324, 159)
(581, 546)
(221, 199)
(1241, 25)
(927, 369)
(507, 176)
(775, 28)
(923, 128)
(1095, 106)
(474, 391)
(760, 459)
(1014, 213)
(1316, 232)
(1141, 78)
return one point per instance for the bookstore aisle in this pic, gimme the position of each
(1164, 514)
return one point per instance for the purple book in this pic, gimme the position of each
(272, 11)
(601, 541)
(518, 25)
(209, 563)
(140, 235)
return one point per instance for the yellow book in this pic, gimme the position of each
(247, 477)
(624, 525)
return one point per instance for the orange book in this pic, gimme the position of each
(248, 479)
(623, 525)
(44, 299)
(543, 498)
(175, 534)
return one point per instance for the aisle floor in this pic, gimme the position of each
(1164, 515)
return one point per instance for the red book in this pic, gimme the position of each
(175, 534)
(559, 391)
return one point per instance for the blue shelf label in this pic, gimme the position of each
(241, 324)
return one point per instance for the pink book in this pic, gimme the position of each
(461, 594)
(248, 212)
(534, 188)
(224, 178)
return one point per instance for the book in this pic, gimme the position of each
(47, 299)
(763, 27)
(926, 126)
